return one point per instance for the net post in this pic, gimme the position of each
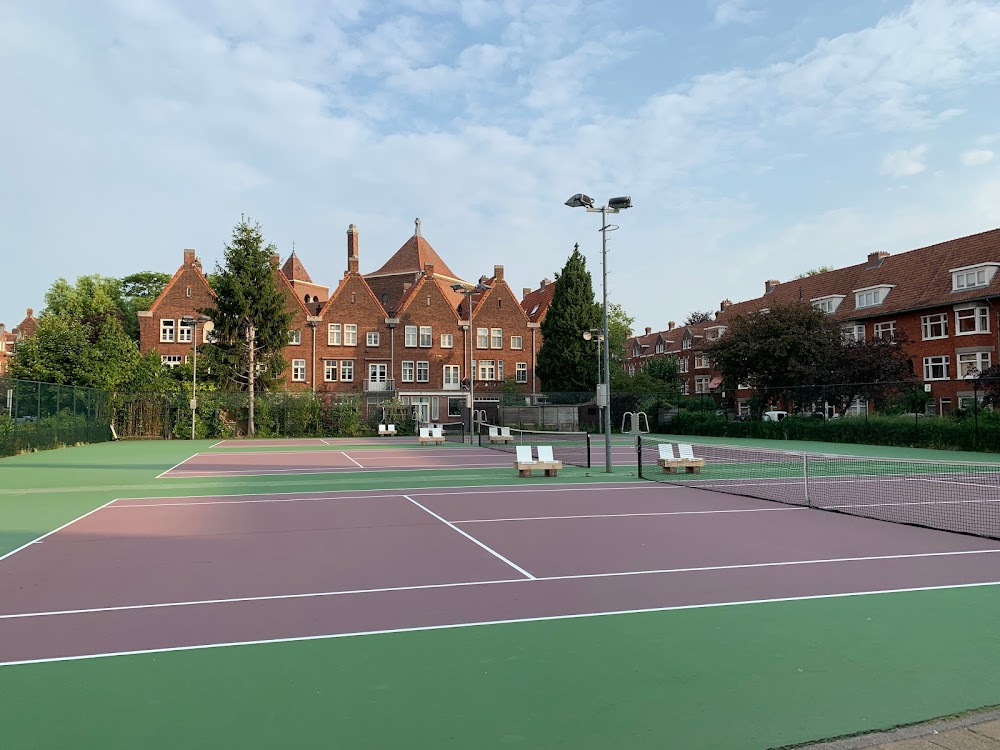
(638, 455)
(588, 451)
(805, 477)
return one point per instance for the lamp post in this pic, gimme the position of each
(594, 334)
(614, 205)
(192, 322)
(468, 291)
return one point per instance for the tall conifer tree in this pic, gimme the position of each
(566, 362)
(250, 320)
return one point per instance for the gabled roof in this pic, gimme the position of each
(919, 279)
(164, 294)
(536, 303)
(452, 297)
(294, 270)
(342, 285)
(412, 257)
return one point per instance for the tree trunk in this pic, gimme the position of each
(252, 340)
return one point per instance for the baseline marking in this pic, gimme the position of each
(344, 454)
(331, 470)
(331, 636)
(461, 584)
(631, 515)
(471, 538)
(159, 476)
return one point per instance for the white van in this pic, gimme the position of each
(774, 416)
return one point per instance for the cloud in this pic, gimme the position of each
(977, 157)
(904, 163)
(726, 12)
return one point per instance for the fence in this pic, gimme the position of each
(37, 416)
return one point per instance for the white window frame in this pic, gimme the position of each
(447, 340)
(885, 330)
(516, 342)
(426, 337)
(334, 334)
(852, 332)
(451, 375)
(930, 363)
(185, 333)
(482, 338)
(685, 343)
(347, 371)
(423, 372)
(496, 338)
(928, 323)
(871, 296)
(979, 361)
(979, 315)
(973, 277)
(410, 336)
(372, 338)
(829, 303)
(521, 372)
(500, 374)
(171, 360)
(682, 364)
(407, 371)
(331, 370)
(350, 334)
(701, 361)
(701, 383)
(295, 337)
(168, 331)
(486, 369)
(298, 371)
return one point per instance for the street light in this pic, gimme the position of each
(192, 322)
(594, 334)
(614, 205)
(468, 291)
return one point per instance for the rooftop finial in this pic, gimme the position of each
(416, 224)
(293, 247)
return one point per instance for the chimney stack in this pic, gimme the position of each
(525, 291)
(189, 257)
(769, 285)
(671, 325)
(429, 270)
(30, 312)
(725, 305)
(275, 260)
(649, 330)
(352, 249)
(545, 283)
(875, 259)
(498, 273)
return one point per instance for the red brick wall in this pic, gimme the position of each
(186, 293)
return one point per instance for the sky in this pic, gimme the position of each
(758, 139)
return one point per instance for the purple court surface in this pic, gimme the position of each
(185, 572)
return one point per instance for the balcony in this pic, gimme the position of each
(379, 386)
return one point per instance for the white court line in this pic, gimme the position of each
(512, 621)
(461, 584)
(216, 445)
(50, 533)
(160, 476)
(320, 495)
(631, 515)
(325, 442)
(344, 454)
(471, 538)
(330, 470)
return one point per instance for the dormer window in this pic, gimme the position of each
(829, 303)
(714, 333)
(972, 277)
(871, 296)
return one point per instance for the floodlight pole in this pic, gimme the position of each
(468, 292)
(193, 322)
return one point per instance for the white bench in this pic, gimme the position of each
(525, 464)
(500, 435)
(684, 460)
(386, 430)
(431, 436)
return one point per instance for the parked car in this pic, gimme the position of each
(774, 416)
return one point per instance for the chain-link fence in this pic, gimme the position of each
(36, 416)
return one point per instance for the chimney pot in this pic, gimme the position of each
(352, 249)
(649, 330)
(671, 325)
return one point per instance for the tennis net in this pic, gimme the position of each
(571, 448)
(454, 432)
(947, 495)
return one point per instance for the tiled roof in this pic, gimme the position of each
(536, 303)
(413, 256)
(671, 339)
(919, 278)
(294, 270)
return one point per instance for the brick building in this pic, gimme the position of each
(943, 298)
(10, 339)
(401, 331)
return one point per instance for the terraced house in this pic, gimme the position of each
(944, 298)
(402, 331)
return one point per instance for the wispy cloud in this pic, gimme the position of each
(904, 163)
(977, 157)
(725, 12)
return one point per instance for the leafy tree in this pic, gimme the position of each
(251, 323)
(138, 291)
(790, 345)
(619, 331)
(566, 362)
(699, 316)
(665, 371)
(92, 301)
(814, 271)
(870, 369)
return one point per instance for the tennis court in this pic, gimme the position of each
(432, 585)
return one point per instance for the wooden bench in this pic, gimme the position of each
(431, 436)
(500, 435)
(386, 430)
(525, 464)
(684, 460)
